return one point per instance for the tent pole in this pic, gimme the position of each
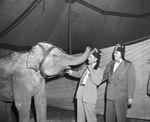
(69, 28)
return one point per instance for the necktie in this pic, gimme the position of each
(85, 76)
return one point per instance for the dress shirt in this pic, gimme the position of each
(116, 64)
(85, 76)
(86, 73)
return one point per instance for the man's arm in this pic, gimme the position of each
(131, 80)
(76, 73)
(131, 83)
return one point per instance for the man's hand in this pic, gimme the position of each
(130, 102)
(69, 71)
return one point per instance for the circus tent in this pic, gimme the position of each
(75, 24)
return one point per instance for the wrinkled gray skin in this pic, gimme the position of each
(21, 70)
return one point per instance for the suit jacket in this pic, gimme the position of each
(88, 92)
(121, 83)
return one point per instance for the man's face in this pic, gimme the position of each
(117, 55)
(92, 59)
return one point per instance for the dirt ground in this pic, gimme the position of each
(56, 114)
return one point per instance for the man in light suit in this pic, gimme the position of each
(120, 76)
(91, 76)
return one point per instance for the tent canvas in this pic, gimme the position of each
(48, 21)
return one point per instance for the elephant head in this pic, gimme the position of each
(51, 60)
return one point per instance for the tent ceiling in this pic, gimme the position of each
(94, 23)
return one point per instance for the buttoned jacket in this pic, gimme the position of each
(121, 83)
(88, 92)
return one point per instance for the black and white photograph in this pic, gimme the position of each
(74, 60)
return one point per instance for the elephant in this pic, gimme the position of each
(23, 74)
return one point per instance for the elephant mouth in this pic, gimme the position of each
(60, 73)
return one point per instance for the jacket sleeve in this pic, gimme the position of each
(96, 76)
(78, 73)
(106, 73)
(131, 80)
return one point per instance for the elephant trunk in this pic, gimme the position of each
(75, 60)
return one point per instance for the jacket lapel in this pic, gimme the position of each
(111, 68)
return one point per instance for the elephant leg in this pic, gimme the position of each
(23, 110)
(3, 115)
(40, 106)
(9, 111)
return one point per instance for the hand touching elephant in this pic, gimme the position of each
(25, 74)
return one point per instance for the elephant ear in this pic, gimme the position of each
(32, 62)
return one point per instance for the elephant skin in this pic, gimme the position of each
(22, 76)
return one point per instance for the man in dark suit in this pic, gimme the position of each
(120, 76)
(91, 77)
